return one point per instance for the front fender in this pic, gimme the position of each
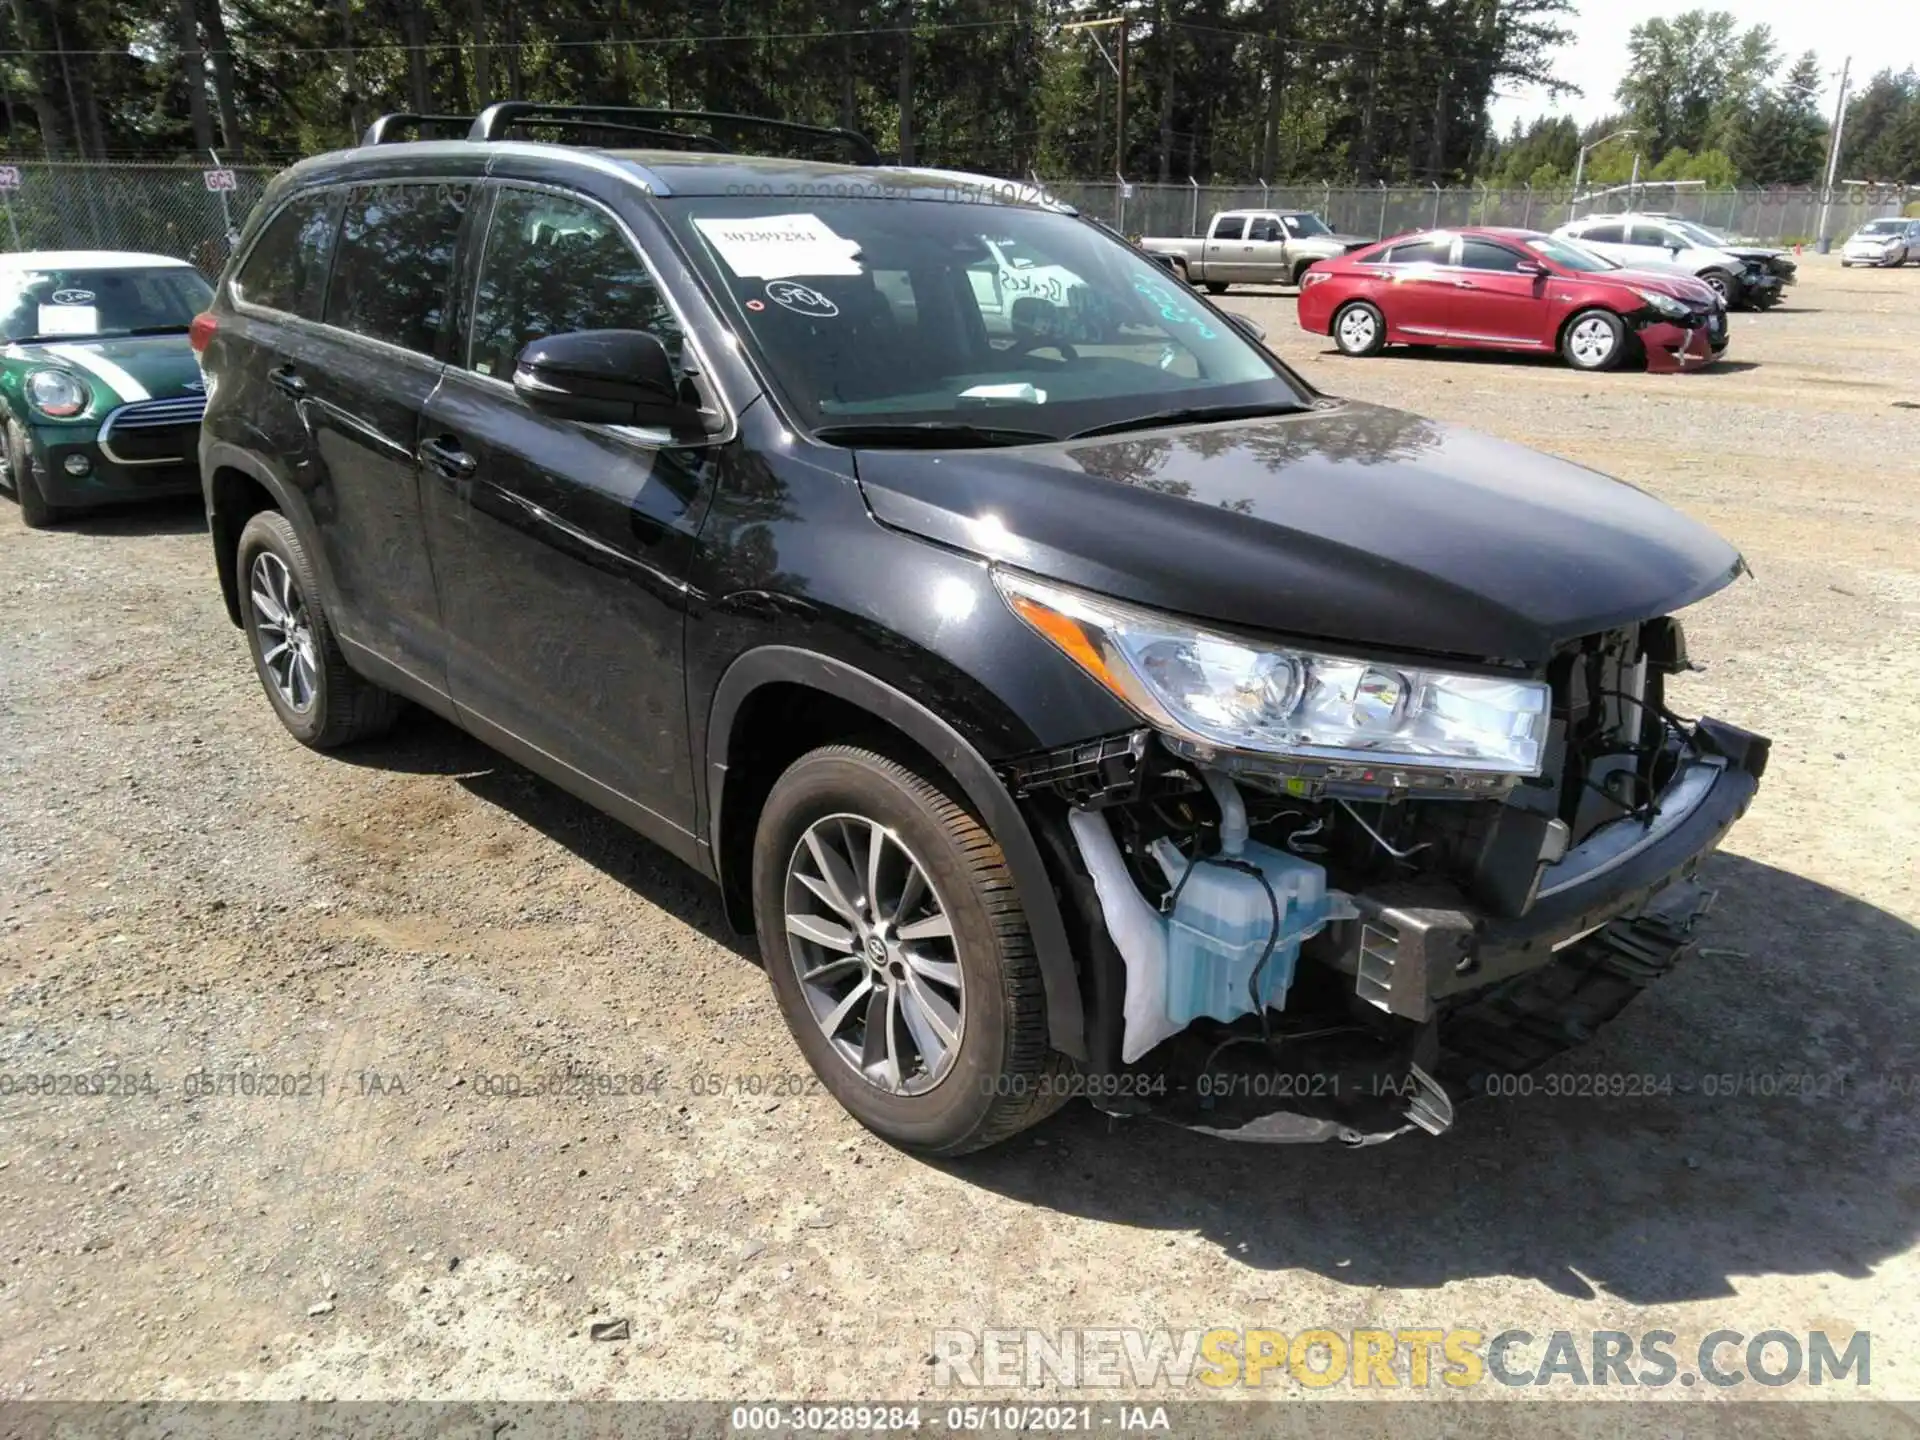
(783, 664)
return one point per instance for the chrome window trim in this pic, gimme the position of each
(106, 431)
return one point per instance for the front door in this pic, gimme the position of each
(1419, 298)
(1495, 301)
(562, 547)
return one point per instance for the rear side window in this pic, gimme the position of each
(1604, 235)
(1230, 227)
(395, 263)
(553, 266)
(1421, 252)
(1482, 255)
(287, 269)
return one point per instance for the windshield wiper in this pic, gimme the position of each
(1188, 414)
(98, 335)
(931, 434)
(157, 330)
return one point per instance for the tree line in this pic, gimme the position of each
(1216, 90)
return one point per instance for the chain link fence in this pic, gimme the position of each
(169, 209)
(165, 209)
(1777, 217)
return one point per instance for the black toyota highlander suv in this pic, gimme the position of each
(978, 607)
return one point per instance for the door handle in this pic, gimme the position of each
(287, 379)
(1463, 285)
(445, 455)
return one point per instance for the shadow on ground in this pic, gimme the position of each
(1657, 1199)
(424, 744)
(172, 515)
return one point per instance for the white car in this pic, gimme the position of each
(1892, 241)
(1645, 242)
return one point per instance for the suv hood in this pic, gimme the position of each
(1347, 522)
(131, 367)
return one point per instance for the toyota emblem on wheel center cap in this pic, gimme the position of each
(876, 949)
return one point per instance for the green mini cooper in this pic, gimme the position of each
(100, 393)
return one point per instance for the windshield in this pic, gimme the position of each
(1696, 233)
(1308, 225)
(904, 312)
(1883, 227)
(91, 302)
(1570, 253)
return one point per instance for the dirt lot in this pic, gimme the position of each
(186, 888)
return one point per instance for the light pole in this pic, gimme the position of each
(1580, 163)
(1823, 242)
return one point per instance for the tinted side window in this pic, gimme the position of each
(1651, 235)
(1230, 227)
(554, 265)
(1421, 252)
(1264, 228)
(287, 269)
(1604, 235)
(395, 262)
(1482, 255)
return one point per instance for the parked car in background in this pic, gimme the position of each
(1650, 242)
(949, 648)
(1499, 289)
(1773, 257)
(1892, 241)
(1257, 247)
(100, 395)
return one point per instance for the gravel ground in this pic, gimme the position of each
(186, 889)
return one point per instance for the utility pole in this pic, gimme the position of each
(1824, 241)
(1120, 104)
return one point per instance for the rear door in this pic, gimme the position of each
(1611, 241)
(562, 547)
(1222, 254)
(1494, 300)
(361, 383)
(1419, 299)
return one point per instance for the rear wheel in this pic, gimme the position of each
(1300, 272)
(899, 954)
(1360, 329)
(1216, 287)
(1594, 340)
(318, 697)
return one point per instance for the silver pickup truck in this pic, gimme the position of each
(1253, 247)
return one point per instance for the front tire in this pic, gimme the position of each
(1359, 329)
(1722, 284)
(899, 954)
(35, 512)
(1594, 340)
(318, 697)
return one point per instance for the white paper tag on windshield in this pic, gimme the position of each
(771, 247)
(69, 320)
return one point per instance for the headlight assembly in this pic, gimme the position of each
(57, 394)
(1664, 304)
(1220, 692)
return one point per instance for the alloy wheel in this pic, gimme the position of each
(872, 943)
(284, 631)
(1356, 329)
(1591, 341)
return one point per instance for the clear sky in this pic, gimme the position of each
(1879, 34)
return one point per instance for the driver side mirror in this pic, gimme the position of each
(1246, 326)
(602, 377)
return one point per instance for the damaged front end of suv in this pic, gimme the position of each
(1324, 890)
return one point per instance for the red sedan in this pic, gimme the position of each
(1491, 289)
